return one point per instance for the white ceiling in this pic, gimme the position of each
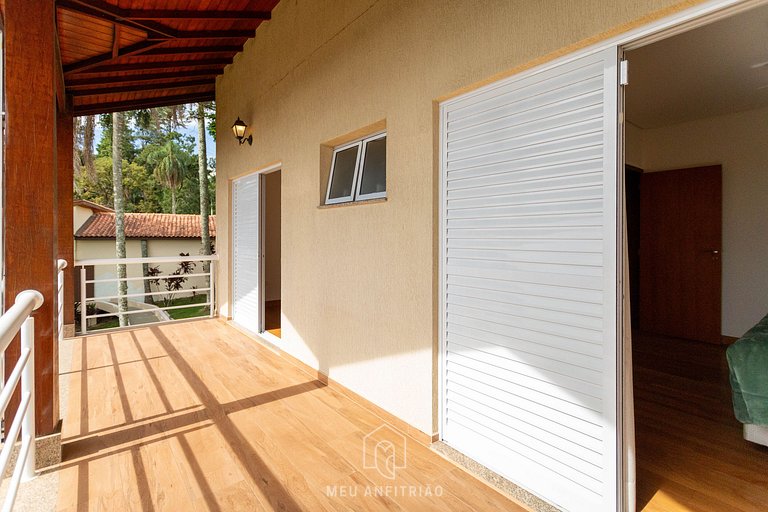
(702, 73)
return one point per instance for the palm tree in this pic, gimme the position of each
(170, 168)
(119, 199)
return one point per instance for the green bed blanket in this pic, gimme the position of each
(748, 364)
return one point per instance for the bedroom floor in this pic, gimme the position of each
(690, 452)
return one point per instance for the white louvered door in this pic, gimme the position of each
(246, 308)
(528, 294)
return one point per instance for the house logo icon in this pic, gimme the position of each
(384, 450)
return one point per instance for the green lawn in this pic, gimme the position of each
(181, 313)
(176, 314)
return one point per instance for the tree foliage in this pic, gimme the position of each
(170, 168)
(154, 147)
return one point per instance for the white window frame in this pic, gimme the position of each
(336, 151)
(355, 195)
(359, 177)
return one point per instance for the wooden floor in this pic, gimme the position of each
(690, 450)
(272, 317)
(197, 416)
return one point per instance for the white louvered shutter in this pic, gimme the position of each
(529, 280)
(246, 310)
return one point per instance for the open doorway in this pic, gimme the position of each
(696, 121)
(271, 199)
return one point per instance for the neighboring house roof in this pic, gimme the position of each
(92, 206)
(145, 225)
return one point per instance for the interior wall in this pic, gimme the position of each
(736, 141)
(272, 236)
(359, 283)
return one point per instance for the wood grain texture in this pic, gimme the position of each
(197, 416)
(680, 283)
(98, 37)
(30, 178)
(65, 222)
(691, 455)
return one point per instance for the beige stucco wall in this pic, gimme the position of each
(737, 142)
(359, 283)
(80, 214)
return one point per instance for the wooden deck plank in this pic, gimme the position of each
(198, 416)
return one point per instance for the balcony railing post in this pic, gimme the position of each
(62, 264)
(83, 302)
(211, 292)
(28, 386)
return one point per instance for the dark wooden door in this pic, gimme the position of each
(680, 253)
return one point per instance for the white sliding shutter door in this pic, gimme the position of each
(246, 309)
(529, 280)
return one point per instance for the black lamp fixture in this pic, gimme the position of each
(239, 130)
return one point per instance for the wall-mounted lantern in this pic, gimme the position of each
(239, 130)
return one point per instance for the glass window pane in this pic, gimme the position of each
(343, 173)
(375, 167)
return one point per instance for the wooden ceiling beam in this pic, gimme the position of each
(116, 40)
(153, 87)
(104, 58)
(171, 15)
(96, 81)
(161, 101)
(108, 12)
(214, 34)
(191, 50)
(155, 31)
(165, 64)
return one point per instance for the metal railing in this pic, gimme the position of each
(61, 264)
(17, 319)
(137, 307)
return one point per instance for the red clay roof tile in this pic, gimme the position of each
(145, 225)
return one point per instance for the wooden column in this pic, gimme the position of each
(31, 186)
(66, 241)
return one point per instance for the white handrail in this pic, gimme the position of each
(10, 323)
(18, 320)
(103, 298)
(61, 265)
(150, 259)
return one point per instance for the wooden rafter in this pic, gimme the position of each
(168, 15)
(109, 82)
(151, 87)
(76, 83)
(160, 101)
(104, 58)
(118, 16)
(116, 41)
(110, 13)
(165, 64)
(184, 50)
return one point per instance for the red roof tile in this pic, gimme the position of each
(145, 225)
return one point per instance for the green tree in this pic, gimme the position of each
(128, 139)
(141, 191)
(170, 168)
